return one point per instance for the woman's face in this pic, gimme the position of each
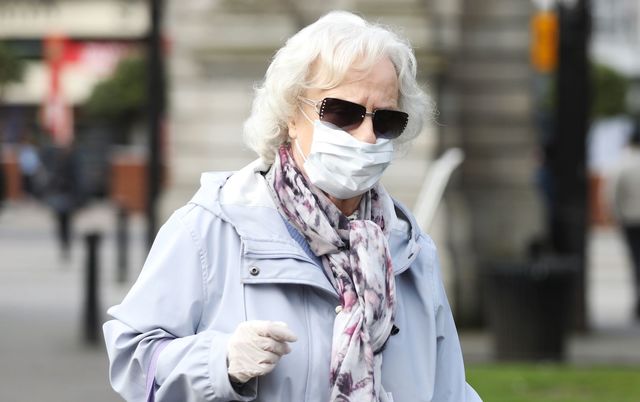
(374, 89)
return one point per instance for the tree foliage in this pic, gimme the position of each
(609, 91)
(11, 67)
(122, 97)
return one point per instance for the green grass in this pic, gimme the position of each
(554, 383)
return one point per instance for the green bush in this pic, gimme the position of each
(11, 67)
(121, 98)
(609, 92)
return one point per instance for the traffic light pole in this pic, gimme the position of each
(567, 159)
(156, 104)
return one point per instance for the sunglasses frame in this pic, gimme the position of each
(320, 104)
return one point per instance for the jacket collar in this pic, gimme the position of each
(243, 199)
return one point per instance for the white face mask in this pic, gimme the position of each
(343, 166)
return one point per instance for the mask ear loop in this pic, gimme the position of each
(305, 115)
(300, 150)
(297, 145)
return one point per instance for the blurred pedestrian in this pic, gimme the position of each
(29, 163)
(3, 181)
(625, 192)
(301, 253)
(61, 193)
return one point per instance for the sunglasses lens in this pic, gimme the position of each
(389, 124)
(346, 115)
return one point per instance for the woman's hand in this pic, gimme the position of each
(255, 347)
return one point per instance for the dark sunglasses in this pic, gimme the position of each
(347, 116)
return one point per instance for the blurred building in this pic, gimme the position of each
(473, 59)
(221, 49)
(488, 104)
(616, 35)
(98, 29)
(68, 46)
(616, 44)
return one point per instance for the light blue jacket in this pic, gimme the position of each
(228, 256)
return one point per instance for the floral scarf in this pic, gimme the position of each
(355, 255)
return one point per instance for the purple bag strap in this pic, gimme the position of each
(151, 372)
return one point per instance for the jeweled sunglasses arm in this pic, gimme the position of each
(311, 102)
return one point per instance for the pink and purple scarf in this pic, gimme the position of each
(355, 256)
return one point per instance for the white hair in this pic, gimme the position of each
(334, 43)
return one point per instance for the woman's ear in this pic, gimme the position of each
(291, 125)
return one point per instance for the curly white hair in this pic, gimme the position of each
(331, 45)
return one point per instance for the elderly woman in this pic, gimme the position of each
(298, 278)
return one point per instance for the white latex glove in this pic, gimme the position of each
(255, 347)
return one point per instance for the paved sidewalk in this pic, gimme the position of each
(43, 356)
(614, 335)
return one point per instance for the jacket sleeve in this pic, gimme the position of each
(450, 383)
(156, 352)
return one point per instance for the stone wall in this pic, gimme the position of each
(496, 210)
(473, 58)
(220, 49)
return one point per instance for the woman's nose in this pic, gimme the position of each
(364, 132)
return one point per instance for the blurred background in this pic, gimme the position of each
(111, 109)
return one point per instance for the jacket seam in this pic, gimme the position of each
(265, 240)
(305, 296)
(243, 287)
(290, 282)
(432, 283)
(202, 256)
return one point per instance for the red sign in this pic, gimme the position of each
(57, 114)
